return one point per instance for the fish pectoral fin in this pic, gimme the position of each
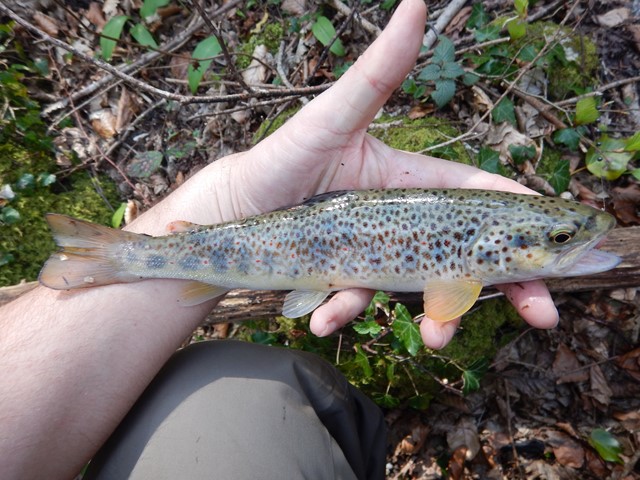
(301, 302)
(195, 293)
(445, 300)
(181, 226)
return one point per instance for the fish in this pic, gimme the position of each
(446, 243)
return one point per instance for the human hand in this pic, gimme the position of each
(325, 147)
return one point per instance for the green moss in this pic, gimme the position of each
(29, 240)
(267, 128)
(481, 333)
(270, 36)
(416, 135)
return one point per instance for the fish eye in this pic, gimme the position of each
(561, 235)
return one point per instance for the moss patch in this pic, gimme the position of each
(270, 36)
(29, 240)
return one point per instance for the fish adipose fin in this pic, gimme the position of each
(301, 302)
(85, 258)
(195, 293)
(181, 226)
(445, 300)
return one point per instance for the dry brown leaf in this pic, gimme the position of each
(420, 111)
(413, 442)
(566, 366)
(95, 16)
(458, 22)
(501, 137)
(256, 73)
(456, 463)
(126, 109)
(626, 201)
(46, 23)
(596, 465)
(104, 123)
(600, 389)
(630, 362)
(567, 451)
(635, 33)
(464, 434)
(630, 420)
(614, 17)
(294, 7)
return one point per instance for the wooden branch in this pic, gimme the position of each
(241, 305)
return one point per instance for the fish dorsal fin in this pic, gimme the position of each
(195, 293)
(445, 300)
(181, 226)
(301, 302)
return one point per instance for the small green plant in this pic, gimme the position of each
(325, 32)
(606, 445)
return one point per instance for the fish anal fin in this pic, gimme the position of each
(445, 300)
(181, 226)
(301, 302)
(195, 293)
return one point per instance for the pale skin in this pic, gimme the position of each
(73, 363)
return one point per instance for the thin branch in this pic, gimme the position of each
(348, 12)
(443, 20)
(599, 91)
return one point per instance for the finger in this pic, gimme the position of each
(340, 310)
(363, 90)
(437, 335)
(533, 302)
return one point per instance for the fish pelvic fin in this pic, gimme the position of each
(85, 258)
(301, 302)
(195, 293)
(445, 300)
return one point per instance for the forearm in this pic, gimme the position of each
(73, 363)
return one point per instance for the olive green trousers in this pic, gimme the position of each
(234, 410)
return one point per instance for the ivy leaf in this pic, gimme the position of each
(406, 330)
(386, 400)
(143, 36)
(471, 376)
(479, 16)
(149, 7)
(608, 160)
(490, 32)
(444, 92)
(528, 53)
(113, 29)
(504, 112)
(362, 361)
(430, 73)
(445, 51)
(522, 153)
(370, 327)
(202, 57)
(570, 137)
(324, 31)
(560, 176)
(586, 111)
(489, 160)
(118, 215)
(606, 445)
(633, 143)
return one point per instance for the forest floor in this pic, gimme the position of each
(546, 395)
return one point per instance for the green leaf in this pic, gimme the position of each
(144, 164)
(521, 7)
(445, 51)
(6, 258)
(490, 32)
(264, 338)
(9, 216)
(470, 78)
(406, 330)
(479, 16)
(471, 376)
(202, 57)
(606, 445)
(25, 182)
(387, 4)
(113, 29)
(636, 173)
(118, 215)
(560, 176)
(633, 143)
(586, 111)
(570, 137)
(608, 159)
(381, 299)
(324, 31)
(504, 112)
(362, 361)
(386, 400)
(430, 73)
(143, 36)
(521, 153)
(489, 160)
(149, 7)
(444, 92)
(46, 179)
(370, 327)
(517, 29)
(528, 52)
(452, 70)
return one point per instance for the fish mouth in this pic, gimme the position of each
(590, 262)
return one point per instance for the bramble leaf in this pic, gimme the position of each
(445, 51)
(444, 92)
(430, 73)
(452, 70)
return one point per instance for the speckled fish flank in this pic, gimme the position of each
(446, 243)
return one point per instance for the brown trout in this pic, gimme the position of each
(445, 243)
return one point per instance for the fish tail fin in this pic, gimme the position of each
(86, 256)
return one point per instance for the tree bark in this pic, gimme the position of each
(247, 304)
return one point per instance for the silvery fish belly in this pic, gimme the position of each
(445, 243)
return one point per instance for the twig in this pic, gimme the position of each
(347, 12)
(443, 20)
(599, 90)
